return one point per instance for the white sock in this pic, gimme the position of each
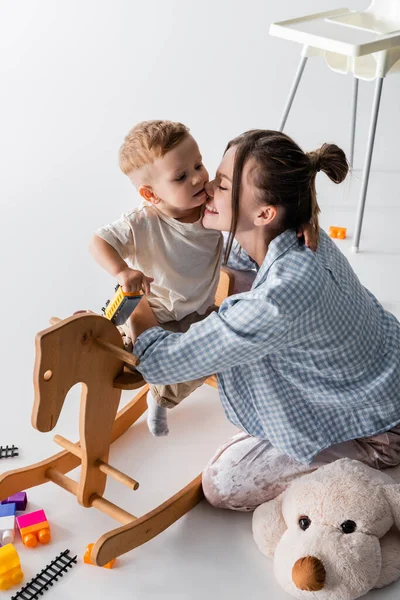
(157, 421)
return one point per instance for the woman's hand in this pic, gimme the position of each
(133, 281)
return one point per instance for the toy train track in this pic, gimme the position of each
(41, 582)
(8, 451)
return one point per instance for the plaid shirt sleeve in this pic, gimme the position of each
(247, 327)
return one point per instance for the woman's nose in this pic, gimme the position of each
(209, 187)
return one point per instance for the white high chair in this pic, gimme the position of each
(366, 44)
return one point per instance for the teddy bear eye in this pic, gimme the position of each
(304, 523)
(348, 526)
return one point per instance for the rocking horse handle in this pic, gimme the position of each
(101, 465)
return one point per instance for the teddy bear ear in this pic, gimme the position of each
(392, 494)
(269, 525)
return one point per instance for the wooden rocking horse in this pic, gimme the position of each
(88, 349)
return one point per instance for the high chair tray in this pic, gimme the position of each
(340, 30)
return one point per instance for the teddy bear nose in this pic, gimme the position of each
(309, 574)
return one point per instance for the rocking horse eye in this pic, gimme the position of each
(304, 523)
(348, 527)
(48, 375)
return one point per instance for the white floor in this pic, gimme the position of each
(208, 553)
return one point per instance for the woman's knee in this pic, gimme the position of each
(211, 490)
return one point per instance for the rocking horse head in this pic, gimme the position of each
(66, 354)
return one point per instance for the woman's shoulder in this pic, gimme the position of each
(297, 278)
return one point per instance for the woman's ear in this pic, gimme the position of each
(265, 215)
(147, 193)
(269, 525)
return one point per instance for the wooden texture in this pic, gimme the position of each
(25, 478)
(126, 357)
(129, 380)
(69, 350)
(103, 466)
(105, 506)
(123, 539)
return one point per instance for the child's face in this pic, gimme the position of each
(178, 180)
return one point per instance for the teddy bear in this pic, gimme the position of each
(333, 534)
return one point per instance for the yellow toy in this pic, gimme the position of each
(121, 305)
(10, 567)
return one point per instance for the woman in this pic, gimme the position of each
(307, 361)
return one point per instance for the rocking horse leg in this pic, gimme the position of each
(130, 536)
(12, 482)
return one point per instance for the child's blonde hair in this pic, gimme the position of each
(147, 141)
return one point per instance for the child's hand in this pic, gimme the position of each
(133, 281)
(311, 235)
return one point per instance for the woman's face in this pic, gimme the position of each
(218, 211)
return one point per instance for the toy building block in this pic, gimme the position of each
(34, 528)
(7, 523)
(338, 232)
(10, 567)
(8, 510)
(87, 558)
(20, 500)
(121, 305)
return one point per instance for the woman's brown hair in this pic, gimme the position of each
(283, 175)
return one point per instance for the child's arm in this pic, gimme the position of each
(107, 257)
(311, 235)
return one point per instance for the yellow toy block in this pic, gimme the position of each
(10, 567)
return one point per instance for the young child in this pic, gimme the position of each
(161, 247)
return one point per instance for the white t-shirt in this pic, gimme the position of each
(183, 258)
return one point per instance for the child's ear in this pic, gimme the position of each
(147, 193)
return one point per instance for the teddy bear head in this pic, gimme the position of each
(325, 531)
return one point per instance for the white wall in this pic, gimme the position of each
(75, 75)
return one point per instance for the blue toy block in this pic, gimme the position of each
(8, 510)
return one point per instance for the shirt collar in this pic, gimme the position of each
(279, 245)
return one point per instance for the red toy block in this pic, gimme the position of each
(34, 528)
(338, 232)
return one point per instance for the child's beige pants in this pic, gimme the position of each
(246, 471)
(172, 394)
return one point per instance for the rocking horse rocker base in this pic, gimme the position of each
(88, 349)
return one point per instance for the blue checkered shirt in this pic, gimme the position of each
(307, 358)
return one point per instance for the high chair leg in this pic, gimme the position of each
(367, 165)
(293, 91)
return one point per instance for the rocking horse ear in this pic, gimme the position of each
(392, 495)
(269, 525)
